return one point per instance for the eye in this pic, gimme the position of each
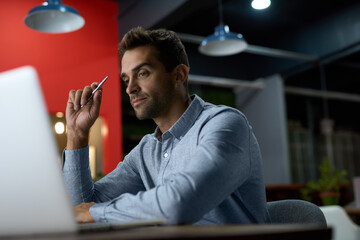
(126, 81)
(143, 73)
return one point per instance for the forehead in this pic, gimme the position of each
(134, 57)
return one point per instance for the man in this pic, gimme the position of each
(202, 164)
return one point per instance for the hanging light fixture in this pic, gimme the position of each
(260, 4)
(222, 42)
(54, 17)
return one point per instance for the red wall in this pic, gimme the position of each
(69, 61)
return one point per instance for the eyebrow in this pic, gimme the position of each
(135, 69)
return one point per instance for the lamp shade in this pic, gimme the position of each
(223, 43)
(53, 17)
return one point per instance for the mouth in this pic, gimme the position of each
(137, 101)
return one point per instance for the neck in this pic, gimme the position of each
(174, 112)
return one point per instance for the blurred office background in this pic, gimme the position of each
(297, 81)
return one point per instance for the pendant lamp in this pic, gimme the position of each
(223, 42)
(54, 17)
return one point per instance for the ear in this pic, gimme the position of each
(181, 73)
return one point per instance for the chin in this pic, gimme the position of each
(140, 116)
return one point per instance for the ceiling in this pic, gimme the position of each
(321, 29)
(326, 31)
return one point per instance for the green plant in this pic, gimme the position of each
(329, 180)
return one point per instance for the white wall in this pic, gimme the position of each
(266, 112)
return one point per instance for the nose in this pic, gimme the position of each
(132, 87)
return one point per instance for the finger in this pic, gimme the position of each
(96, 97)
(85, 95)
(94, 85)
(77, 100)
(71, 98)
(97, 101)
(70, 102)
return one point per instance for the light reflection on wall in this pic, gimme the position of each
(59, 127)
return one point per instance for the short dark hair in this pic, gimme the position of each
(171, 51)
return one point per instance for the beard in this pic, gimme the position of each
(157, 102)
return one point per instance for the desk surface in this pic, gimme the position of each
(189, 232)
(354, 214)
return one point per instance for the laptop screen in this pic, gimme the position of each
(33, 196)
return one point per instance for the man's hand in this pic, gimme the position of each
(82, 213)
(80, 119)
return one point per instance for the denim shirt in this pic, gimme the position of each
(206, 169)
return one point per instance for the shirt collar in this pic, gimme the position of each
(185, 122)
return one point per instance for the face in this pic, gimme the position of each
(149, 86)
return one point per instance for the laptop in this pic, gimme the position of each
(33, 198)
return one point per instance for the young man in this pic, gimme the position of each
(202, 164)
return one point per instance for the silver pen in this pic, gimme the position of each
(95, 90)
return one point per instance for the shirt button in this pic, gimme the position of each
(166, 155)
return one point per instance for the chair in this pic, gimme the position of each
(295, 211)
(343, 227)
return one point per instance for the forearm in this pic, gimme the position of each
(182, 200)
(77, 175)
(184, 197)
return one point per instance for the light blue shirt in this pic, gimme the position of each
(206, 169)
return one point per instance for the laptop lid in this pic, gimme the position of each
(33, 196)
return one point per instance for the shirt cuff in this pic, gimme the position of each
(97, 212)
(75, 159)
